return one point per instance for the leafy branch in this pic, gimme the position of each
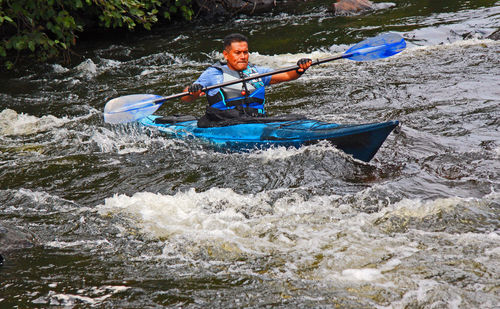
(48, 29)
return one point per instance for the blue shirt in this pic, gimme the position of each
(213, 76)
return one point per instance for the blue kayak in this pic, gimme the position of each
(362, 141)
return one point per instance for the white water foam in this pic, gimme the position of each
(90, 244)
(112, 141)
(186, 212)
(282, 153)
(91, 297)
(364, 274)
(452, 27)
(12, 123)
(87, 68)
(412, 50)
(38, 197)
(129, 139)
(59, 69)
(121, 139)
(416, 208)
(285, 60)
(321, 238)
(42, 202)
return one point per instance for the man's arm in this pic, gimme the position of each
(210, 76)
(303, 64)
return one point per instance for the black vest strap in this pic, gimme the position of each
(247, 100)
(218, 97)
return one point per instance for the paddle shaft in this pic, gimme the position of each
(283, 70)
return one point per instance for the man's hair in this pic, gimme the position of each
(234, 37)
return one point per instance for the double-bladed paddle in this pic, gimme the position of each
(136, 106)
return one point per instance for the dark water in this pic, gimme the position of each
(123, 217)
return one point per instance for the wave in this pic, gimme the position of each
(286, 223)
(411, 247)
(12, 123)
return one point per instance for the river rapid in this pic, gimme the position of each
(121, 216)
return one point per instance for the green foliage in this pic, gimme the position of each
(46, 29)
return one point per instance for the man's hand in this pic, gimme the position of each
(303, 64)
(195, 89)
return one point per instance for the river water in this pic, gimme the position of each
(124, 217)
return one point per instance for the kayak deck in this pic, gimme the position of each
(362, 141)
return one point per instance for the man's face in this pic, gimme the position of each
(237, 56)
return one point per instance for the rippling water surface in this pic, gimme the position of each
(121, 216)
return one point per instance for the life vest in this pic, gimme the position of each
(248, 96)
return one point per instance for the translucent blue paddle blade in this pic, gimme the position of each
(131, 107)
(382, 46)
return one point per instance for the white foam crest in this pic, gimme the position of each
(217, 217)
(432, 294)
(162, 60)
(296, 204)
(238, 224)
(494, 252)
(180, 37)
(320, 238)
(44, 202)
(36, 196)
(190, 214)
(363, 274)
(92, 297)
(90, 244)
(59, 68)
(417, 208)
(282, 153)
(12, 123)
(111, 141)
(285, 60)
(127, 139)
(450, 27)
(421, 209)
(87, 68)
(289, 59)
(453, 45)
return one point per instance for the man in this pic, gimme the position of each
(242, 101)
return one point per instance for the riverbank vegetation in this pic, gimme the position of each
(42, 30)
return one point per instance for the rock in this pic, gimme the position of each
(495, 35)
(346, 7)
(13, 239)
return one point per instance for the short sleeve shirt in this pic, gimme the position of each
(213, 76)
